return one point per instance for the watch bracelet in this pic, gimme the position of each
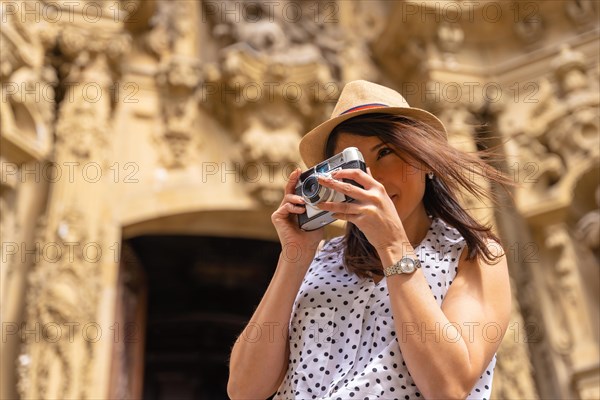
(396, 269)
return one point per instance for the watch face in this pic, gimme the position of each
(407, 265)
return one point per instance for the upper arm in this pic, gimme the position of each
(478, 303)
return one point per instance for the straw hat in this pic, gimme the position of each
(358, 98)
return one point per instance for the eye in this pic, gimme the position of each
(384, 151)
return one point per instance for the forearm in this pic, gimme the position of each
(260, 353)
(434, 350)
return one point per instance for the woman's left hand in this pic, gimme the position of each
(373, 212)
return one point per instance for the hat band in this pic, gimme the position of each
(364, 107)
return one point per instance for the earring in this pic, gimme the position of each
(430, 174)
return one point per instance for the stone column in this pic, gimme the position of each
(68, 333)
(26, 115)
(557, 158)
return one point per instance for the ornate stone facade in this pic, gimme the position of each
(128, 118)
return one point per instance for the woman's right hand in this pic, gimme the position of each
(296, 243)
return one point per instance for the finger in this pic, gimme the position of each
(288, 208)
(357, 175)
(292, 181)
(341, 208)
(293, 198)
(344, 187)
(294, 208)
(345, 217)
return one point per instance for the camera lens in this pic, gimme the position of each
(313, 192)
(310, 187)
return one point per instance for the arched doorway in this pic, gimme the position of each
(200, 291)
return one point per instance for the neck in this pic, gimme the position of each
(416, 226)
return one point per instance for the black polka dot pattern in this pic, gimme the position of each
(343, 343)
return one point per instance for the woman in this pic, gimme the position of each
(412, 302)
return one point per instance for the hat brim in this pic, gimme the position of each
(312, 145)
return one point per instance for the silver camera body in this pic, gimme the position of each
(313, 193)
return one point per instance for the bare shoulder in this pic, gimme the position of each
(480, 297)
(480, 263)
(484, 282)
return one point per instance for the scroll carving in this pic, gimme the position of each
(450, 37)
(69, 301)
(563, 129)
(581, 12)
(275, 81)
(179, 76)
(178, 83)
(530, 29)
(588, 227)
(28, 97)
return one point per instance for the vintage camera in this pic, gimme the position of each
(310, 189)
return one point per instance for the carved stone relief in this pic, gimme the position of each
(562, 129)
(450, 37)
(70, 300)
(170, 29)
(581, 12)
(588, 227)
(537, 159)
(571, 336)
(171, 40)
(65, 285)
(178, 82)
(26, 118)
(278, 78)
(530, 29)
(558, 136)
(28, 98)
(274, 78)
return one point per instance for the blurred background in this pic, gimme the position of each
(144, 145)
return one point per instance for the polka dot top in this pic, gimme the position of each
(343, 343)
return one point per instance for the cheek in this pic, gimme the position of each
(413, 182)
(415, 172)
(410, 175)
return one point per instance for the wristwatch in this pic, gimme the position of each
(406, 265)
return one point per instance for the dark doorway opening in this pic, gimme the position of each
(201, 291)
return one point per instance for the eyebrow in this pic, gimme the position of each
(378, 146)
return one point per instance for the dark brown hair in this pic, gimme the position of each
(454, 170)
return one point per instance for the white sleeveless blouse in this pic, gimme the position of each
(343, 343)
